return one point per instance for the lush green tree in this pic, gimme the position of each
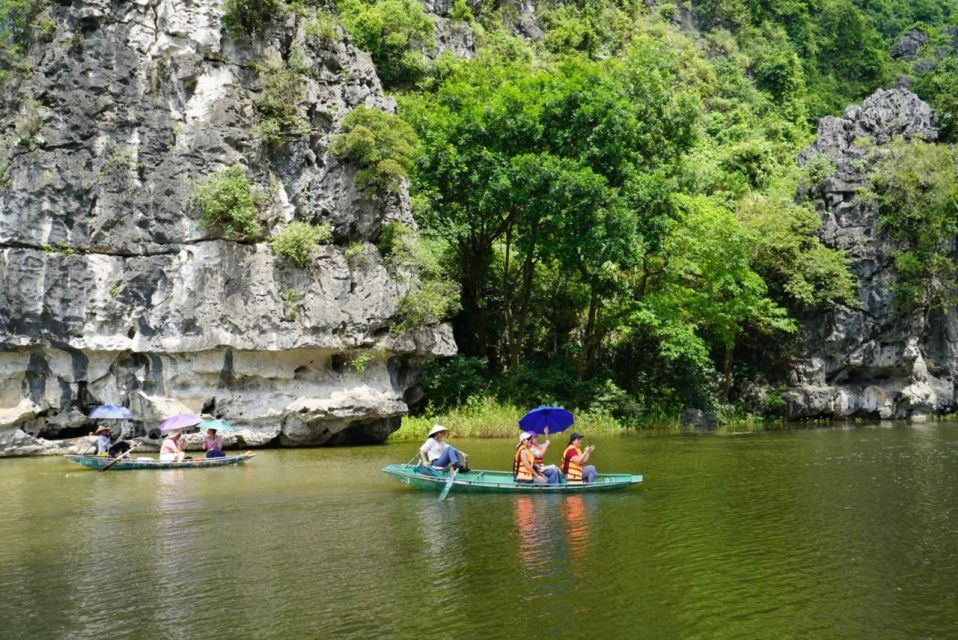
(709, 282)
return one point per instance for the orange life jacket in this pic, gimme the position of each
(520, 471)
(536, 454)
(572, 470)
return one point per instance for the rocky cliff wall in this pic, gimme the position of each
(111, 290)
(870, 361)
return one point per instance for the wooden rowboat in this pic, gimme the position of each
(481, 481)
(98, 462)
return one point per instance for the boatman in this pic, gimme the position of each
(439, 454)
(574, 458)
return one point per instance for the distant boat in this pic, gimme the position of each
(98, 462)
(480, 481)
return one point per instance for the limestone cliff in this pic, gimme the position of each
(111, 290)
(873, 360)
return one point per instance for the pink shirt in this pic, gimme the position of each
(213, 443)
(169, 449)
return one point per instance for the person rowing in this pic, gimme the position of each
(439, 454)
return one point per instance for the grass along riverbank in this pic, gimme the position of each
(493, 419)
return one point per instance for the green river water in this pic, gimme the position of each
(825, 533)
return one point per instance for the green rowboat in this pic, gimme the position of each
(98, 462)
(480, 481)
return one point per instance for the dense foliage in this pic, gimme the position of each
(916, 188)
(618, 201)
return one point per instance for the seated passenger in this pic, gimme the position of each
(573, 459)
(523, 464)
(550, 471)
(173, 447)
(213, 444)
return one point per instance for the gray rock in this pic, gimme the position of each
(111, 290)
(871, 360)
(907, 46)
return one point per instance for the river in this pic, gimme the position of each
(821, 533)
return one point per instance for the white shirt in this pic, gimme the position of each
(433, 449)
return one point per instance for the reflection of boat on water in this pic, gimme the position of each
(482, 481)
(98, 462)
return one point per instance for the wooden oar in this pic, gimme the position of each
(118, 458)
(445, 490)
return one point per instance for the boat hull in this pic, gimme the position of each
(98, 462)
(484, 481)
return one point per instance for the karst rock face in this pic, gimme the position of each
(873, 360)
(112, 289)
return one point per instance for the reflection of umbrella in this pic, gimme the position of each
(111, 412)
(221, 426)
(555, 418)
(181, 421)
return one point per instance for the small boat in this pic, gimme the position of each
(480, 481)
(98, 462)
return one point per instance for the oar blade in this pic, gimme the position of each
(445, 490)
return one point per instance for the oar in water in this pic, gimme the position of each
(118, 458)
(445, 490)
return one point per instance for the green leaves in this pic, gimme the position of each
(228, 200)
(393, 32)
(380, 144)
(298, 241)
(916, 188)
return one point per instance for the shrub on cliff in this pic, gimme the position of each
(432, 294)
(250, 17)
(394, 32)
(297, 242)
(380, 144)
(227, 199)
(278, 103)
(17, 31)
(915, 186)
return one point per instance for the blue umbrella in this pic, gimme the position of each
(111, 412)
(221, 426)
(555, 418)
(181, 421)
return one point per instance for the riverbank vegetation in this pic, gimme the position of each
(619, 201)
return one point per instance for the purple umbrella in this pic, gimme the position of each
(555, 418)
(181, 421)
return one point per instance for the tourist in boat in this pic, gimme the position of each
(439, 454)
(550, 471)
(523, 464)
(213, 444)
(173, 448)
(574, 459)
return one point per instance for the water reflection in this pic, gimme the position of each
(553, 534)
